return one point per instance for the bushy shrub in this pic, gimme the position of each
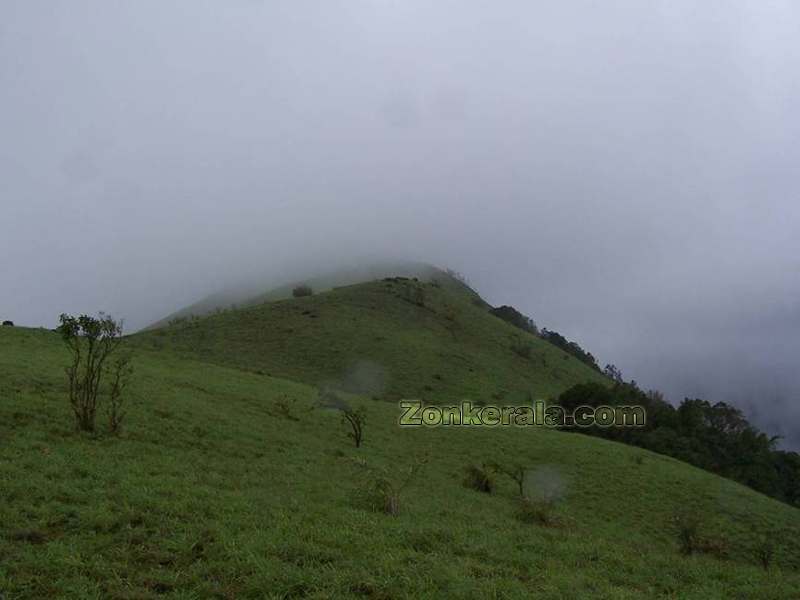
(613, 373)
(511, 315)
(569, 347)
(92, 341)
(537, 511)
(284, 408)
(302, 290)
(413, 293)
(693, 539)
(479, 478)
(765, 551)
(521, 348)
(385, 496)
(687, 528)
(450, 312)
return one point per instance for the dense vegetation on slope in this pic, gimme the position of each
(231, 484)
(393, 338)
(437, 340)
(511, 315)
(715, 437)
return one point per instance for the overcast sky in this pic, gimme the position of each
(624, 172)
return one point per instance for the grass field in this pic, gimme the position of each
(229, 481)
(321, 282)
(375, 338)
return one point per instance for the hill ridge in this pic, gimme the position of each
(434, 339)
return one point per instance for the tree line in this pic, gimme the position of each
(715, 437)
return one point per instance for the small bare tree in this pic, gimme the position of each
(765, 551)
(355, 417)
(121, 372)
(91, 342)
(383, 489)
(515, 471)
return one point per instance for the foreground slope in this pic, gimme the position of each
(392, 338)
(214, 491)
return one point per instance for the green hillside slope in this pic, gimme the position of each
(215, 491)
(253, 294)
(388, 338)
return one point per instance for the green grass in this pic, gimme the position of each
(255, 294)
(209, 494)
(449, 349)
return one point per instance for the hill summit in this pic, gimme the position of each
(429, 337)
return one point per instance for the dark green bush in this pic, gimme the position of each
(479, 479)
(92, 341)
(537, 511)
(302, 290)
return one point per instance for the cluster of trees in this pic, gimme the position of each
(511, 315)
(715, 437)
(572, 348)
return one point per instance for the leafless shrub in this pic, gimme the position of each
(383, 492)
(515, 471)
(284, 408)
(354, 417)
(121, 372)
(537, 511)
(765, 551)
(687, 528)
(693, 540)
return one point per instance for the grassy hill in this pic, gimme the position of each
(231, 481)
(395, 338)
(214, 491)
(253, 294)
